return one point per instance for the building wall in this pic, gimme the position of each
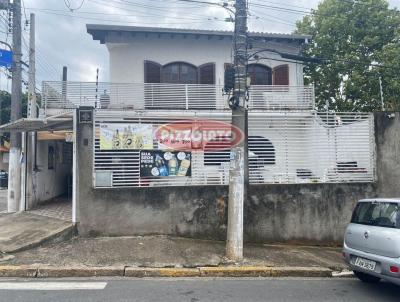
(4, 161)
(312, 213)
(44, 184)
(127, 56)
(387, 135)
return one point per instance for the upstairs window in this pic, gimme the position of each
(207, 74)
(259, 74)
(152, 72)
(263, 75)
(179, 73)
(281, 75)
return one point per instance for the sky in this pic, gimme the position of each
(62, 40)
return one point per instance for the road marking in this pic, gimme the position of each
(52, 285)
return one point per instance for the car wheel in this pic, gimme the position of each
(366, 278)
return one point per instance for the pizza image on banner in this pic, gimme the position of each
(157, 163)
(126, 136)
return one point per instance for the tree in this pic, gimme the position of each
(359, 41)
(5, 105)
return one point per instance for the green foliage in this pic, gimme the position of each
(362, 42)
(5, 105)
(5, 99)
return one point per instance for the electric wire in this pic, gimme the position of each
(68, 4)
(123, 15)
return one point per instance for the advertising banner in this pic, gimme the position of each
(165, 163)
(126, 136)
(174, 137)
(193, 135)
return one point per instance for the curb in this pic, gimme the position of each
(343, 274)
(38, 271)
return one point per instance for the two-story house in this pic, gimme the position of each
(128, 179)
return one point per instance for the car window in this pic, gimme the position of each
(381, 214)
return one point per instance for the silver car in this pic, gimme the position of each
(372, 240)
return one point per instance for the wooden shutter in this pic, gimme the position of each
(152, 72)
(281, 75)
(207, 73)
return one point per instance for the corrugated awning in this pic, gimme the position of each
(36, 124)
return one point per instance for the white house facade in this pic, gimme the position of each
(130, 48)
(102, 140)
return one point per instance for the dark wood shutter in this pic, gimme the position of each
(152, 72)
(281, 75)
(207, 73)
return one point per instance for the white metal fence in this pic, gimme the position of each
(284, 147)
(61, 96)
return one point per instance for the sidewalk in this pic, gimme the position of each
(3, 200)
(132, 254)
(24, 230)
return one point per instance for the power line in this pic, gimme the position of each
(134, 7)
(263, 16)
(68, 4)
(23, 5)
(286, 5)
(46, 10)
(131, 22)
(283, 9)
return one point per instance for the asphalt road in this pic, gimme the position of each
(193, 290)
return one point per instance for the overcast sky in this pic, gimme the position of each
(62, 39)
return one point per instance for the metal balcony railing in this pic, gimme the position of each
(62, 96)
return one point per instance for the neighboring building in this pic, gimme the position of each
(158, 77)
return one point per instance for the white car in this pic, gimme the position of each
(372, 240)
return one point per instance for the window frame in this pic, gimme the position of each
(149, 76)
(265, 68)
(179, 64)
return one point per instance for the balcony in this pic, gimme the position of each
(59, 97)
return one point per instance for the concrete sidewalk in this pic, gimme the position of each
(3, 200)
(21, 231)
(170, 252)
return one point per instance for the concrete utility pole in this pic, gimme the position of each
(30, 164)
(239, 170)
(32, 108)
(14, 171)
(64, 83)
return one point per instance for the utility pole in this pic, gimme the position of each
(14, 171)
(30, 161)
(32, 108)
(64, 84)
(239, 170)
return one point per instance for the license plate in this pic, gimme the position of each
(365, 264)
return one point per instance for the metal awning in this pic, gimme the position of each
(36, 124)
